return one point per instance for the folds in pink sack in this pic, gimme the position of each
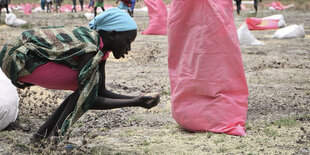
(208, 86)
(27, 9)
(262, 24)
(157, 17)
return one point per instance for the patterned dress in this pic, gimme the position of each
(60, 45)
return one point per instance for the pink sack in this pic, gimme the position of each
(262, 24)
(279, 6)
(208, 86)
(157, 17)
(27, 9)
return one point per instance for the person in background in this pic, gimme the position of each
(4, 4)
(82, 4)
(42, 60)
(125, 5)
(43, 2)
(49, 5)
(57, 5)
(91, 4)
(99, 3)
(133, 2)
(74, 5)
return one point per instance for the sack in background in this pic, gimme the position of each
(27, 9)
(11, 20)
(157, 17)
(246, 37)
(292, 31)
(261, 24)
(89, 16)
(279, 17)
(8, 101)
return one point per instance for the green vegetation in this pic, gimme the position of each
(2, 22)
(133, 118)
(290, 122)
(270, 132)
(27, 26)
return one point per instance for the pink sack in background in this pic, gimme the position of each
(207, 80)
(262, 24)
(65, 8)
(108, 6)
(157, 17)
(277, 5)
(27, 9)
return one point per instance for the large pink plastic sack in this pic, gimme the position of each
(27, 9)
(208, 86)
(157, 17)
(262, 24)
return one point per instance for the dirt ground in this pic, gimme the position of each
(278, 77)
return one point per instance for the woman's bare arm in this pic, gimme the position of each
(102, 88)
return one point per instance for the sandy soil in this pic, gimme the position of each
(278, 116)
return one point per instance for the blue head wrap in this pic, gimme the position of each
(113, 19)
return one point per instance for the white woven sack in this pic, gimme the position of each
(246, 37)
(89, 16)
(11, 20)
(292, 31)
(8, 101)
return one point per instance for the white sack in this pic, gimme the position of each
(4, 10)
(279, 17)
(37, 9)
(292, 31)
(8, 101)
(11, 20)
(246, 37)
(89, 16)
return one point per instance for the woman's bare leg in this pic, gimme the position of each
(48, 126)
(65, 113)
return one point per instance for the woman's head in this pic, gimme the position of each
(118, 42)
(117, 30)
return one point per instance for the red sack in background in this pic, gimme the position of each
(27, 9)
(157, 17)
(277, 5)
(207, 80)
(262, 24)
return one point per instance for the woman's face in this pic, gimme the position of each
(121, 43)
